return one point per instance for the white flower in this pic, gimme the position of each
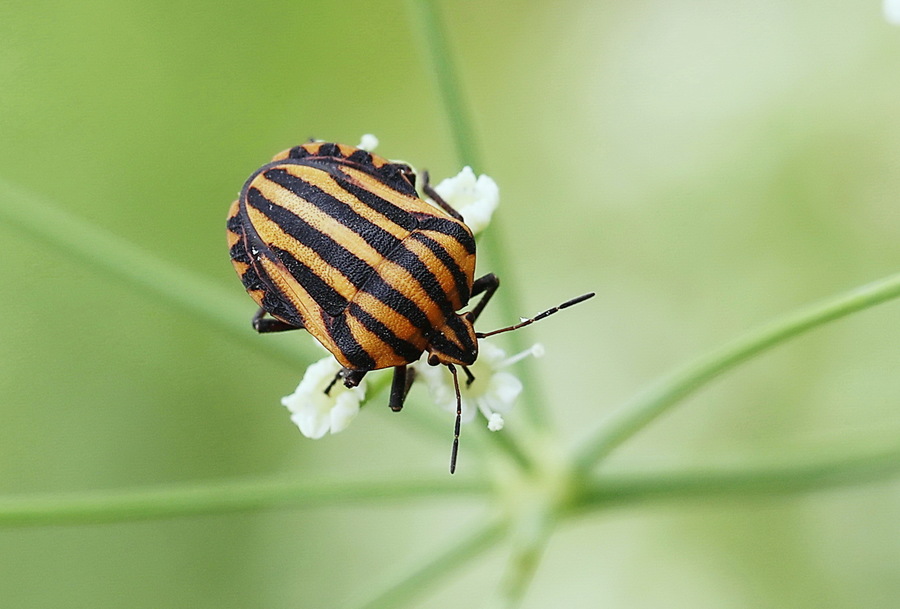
(493, 392)
(368, 142)
(317, 413)
(475, 199)
(892, 11)
(495, 421)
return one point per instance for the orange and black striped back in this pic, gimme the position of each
(336, 240)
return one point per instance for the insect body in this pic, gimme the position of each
(336, 240)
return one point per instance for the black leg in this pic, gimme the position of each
(487, 284)
(431, 192)
(352, 378)
(334, 381)
(264, 325)
(454, 451)
(470, 378)
(403, 380)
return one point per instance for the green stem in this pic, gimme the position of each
(525, 557)
(415, 583)
(434, 40)
(810, 473)
(219, 498)
(462, 127)
(510, 445)
(225, 310)
(646, 406)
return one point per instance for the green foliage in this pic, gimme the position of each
(704, 169)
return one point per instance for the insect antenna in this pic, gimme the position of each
(455, 450)
(538, 317)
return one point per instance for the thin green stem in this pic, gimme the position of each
(798, 475)
(414, 583)
(443, 69)
(228, 311)
(510, 445)
(525, 557)
(220, 498)
(646, 406)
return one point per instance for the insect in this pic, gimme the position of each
(335, 240)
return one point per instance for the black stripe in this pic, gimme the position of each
(330, 150)
(278, 306)
(382, 291)
(397, 176)
(239, 252)
(251, 280)
(381, 240)
(298, 152)
(459, 278)
(458, 342)
(451, 228)
(426, 279)
(352, 267)
(360, 274)
(348, 346)
(256, 278)
(362, 157)
(403, 348)
(325, 296)
(236, 223)
(395, 214)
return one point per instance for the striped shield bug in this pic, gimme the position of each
(335, 240)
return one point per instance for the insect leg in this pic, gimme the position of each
(454, 451)
(333, 381)
(263, 324)
(487, 284)
(470, 378)
(352, 378)
(431, 192)
(403, 380)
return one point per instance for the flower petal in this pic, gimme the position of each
(368, 142)
(503, 391)
(475, 199)
(316, 413)
(892, 11)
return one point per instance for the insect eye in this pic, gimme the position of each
(433, 360)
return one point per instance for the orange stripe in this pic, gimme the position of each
(309, 309)
(401, 326)
(440, 271)
(318, 219)
(457, 252)
(273, 234)
(323, 181)
(391, 273)
(374, 345)
(405, 202)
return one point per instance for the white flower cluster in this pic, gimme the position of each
(317, 413)
(891, 10)
(492, 393)
(474, 198)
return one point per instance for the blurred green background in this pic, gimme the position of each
(702, 166)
